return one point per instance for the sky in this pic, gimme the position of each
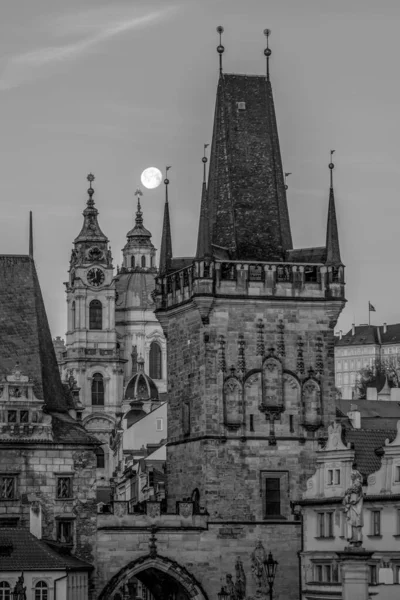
(115, 87)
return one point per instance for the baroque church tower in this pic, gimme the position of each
(92, 353)
(249, 322)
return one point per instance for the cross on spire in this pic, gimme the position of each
(267, 51)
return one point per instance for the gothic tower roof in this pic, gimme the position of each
(90, 231)
(166, 239)
(203, 239)
(25, 334)
(332, 235)
(139, 235)
(248, 213)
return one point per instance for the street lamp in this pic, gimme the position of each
(223, 594)
(271, 566)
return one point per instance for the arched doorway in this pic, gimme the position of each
(162, 578)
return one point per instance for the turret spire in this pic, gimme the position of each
(220, 48)
(30, 235)
(332, 235)
(166, 240)
(203, 238)
(267, 51)
(139, 214)
(90, 231)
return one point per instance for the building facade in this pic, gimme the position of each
(324, 520)
(359, 348)
(249, 322)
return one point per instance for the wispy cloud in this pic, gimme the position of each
(99, 26)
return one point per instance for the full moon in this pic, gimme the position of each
(151, 177)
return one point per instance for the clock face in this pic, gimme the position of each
(95, 277)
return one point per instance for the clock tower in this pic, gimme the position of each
(92, 355)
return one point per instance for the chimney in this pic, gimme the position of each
(355, 416)
(353, 329)
(384, 327)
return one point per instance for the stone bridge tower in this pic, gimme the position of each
(249, 324)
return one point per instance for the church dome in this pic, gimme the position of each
(141, 387)
(134, 289)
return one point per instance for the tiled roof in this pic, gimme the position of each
(25, 339)
(371, 408)
(392, 335)
(30, 554)
(363, 334)
(307, 255)
(366, 442)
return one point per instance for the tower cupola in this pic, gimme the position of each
(139, 251)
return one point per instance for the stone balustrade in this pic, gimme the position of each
(238, 278)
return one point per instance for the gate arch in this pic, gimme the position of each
(167, 568)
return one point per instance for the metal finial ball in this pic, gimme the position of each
(220, 29)
(220, 49)
(331, 166)
(267, 32)
(204, 159)
(90, 191)
(267, 51)
(90, 177)
(166, 181)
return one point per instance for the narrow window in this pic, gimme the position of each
(318, 573)
(151, 479)
(64, 487)
(64, 532)
(251, 422)
(98, 390)
(337, 476)
(330, 476)
(159, 424)
(100, 459)
(397, 473)
(291, 424)
(41, 591)
(321, 525)
(372, 574)
(151, 261)
(7, 488)
(143, 261)
(155, 361)
(73, 315)
(273, 497)
(329, 524)
(24, 416)
(327, 573)
(95, 315)
(5, 590)
(12, 416)
(132, 262)
(376, 522)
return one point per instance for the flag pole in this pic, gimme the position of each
(369, 315)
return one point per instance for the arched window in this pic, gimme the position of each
(100, 462)
(97, 390)
(152, 261)
(73, 315)
(5, 591)
(95, 315)
(132, 262)
(155, 361)
(41, 591)
(143, 261)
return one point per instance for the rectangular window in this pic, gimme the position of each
(337, 476)
(327, 573)
(397, 473)
(318, 573)
(325, 524)
(372, 574)
(7, 487)
(330, 476)
(272, 497)
(12, 416)
(24, 416)
(159, 424)
(376, 522)
(397, 580)
(291, 427)
(64, 487)
(64, 532)
(251, 422)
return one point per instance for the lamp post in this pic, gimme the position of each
(271, 566)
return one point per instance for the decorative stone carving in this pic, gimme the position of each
(319, 360)
(81, 461)
(281, 339)
(272, 396)
(233, 402)
(311, 397)
(153, 509)
(335, 438)
(185, 509)
(258, 557)
(241, 355)
(300, 357)
(221, 355)
(260, 346)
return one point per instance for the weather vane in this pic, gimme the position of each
(267, 51)
(204, 159)
(166, 180)
(220, 48)
(286, 175)
(90, 179)
(138, 192)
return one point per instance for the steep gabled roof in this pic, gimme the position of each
(24, 331)
(332, 234)
(248, 213)
(363, 335)
(366, 444)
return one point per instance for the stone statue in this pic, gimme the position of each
(353, 507)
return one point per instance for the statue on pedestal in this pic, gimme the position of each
(353, 507)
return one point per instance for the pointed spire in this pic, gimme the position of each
(220, 48)
(203, 238)
(90, 230)
(267, 51)
(139, 214)
(166, 240)
(30, 235)
(332, 235)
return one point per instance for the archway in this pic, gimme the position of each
(163, 578)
